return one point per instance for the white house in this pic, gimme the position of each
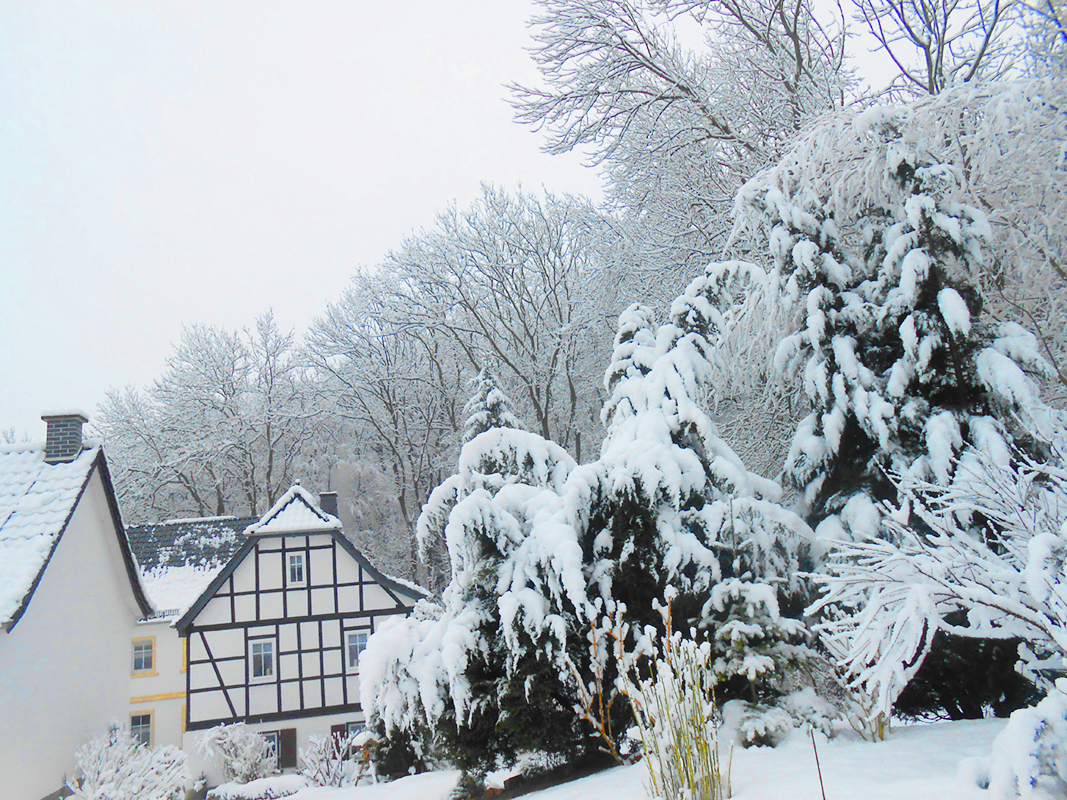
(69, 597)
(274, 640)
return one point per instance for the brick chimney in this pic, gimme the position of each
(64, 439)
(328, 502)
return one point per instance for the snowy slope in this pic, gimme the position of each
(920, 762)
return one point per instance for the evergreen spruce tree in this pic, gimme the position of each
(902, 372)
(668, 512)
(477, 702)
(904, 376)
(488, 407)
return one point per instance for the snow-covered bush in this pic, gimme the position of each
(679, 722)
(244, 755)
(1030, 755)
(272, 788)
(990, 548)
(115, 766)
(328, 760)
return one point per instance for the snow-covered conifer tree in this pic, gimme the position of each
(488, 407)
(667, 510)
(905, 377)
(444, 676)
(901, 370)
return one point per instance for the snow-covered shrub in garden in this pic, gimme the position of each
(272, 788)
(556, 567)
(243, 754)
(328, 760)
(679, 723)
(1030, 755)
(115, 766)
(992, 546)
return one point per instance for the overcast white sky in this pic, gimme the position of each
(170, 163)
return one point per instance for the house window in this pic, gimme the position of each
(355, 643)
(141, 728)
(284, 744)
(296, 568)
(144, 656)
(263, 659)
(272, 740)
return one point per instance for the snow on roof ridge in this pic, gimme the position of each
(187, 520)
(18, 447)
(283, 517)
(405, 582)
(88, 443)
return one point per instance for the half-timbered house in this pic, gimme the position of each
(275, 639)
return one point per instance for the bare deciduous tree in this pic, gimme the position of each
(940, 43)
(513, 283)
(676, 130)
(226, 429)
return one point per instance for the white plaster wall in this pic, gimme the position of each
(156, 693)
(63, 668)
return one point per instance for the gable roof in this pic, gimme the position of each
(297, 511)
(37, 501)
(179, 558)
(391, 585)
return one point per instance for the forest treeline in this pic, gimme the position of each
(373, 399)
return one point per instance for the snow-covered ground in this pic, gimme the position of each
(921, 762)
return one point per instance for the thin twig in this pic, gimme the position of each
(817, 767)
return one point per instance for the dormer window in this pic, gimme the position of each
(296, 568)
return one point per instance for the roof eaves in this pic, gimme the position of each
(128, 558)
(384, 580)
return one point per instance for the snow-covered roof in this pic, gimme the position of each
(297, 511)
(36, 503)
(179, 558)
(173, 589)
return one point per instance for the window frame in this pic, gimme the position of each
(147, 712)
(349, 635)
(265, 677)
(275, 738)
(296, 559)
(151, 669)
